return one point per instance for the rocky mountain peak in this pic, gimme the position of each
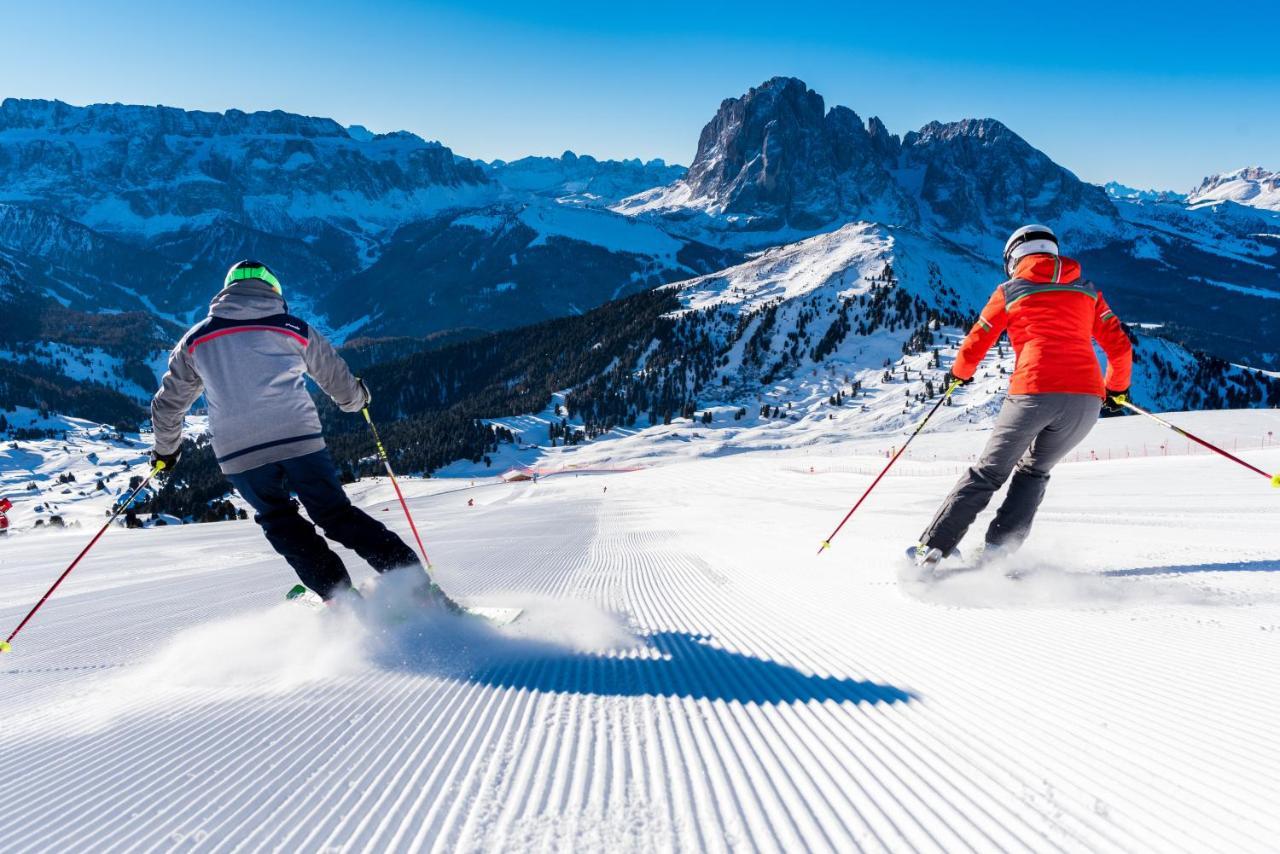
(1252, 186)
(979, 177)
(777, 158)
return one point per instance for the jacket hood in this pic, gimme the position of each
(247, 299)
(1046, 269)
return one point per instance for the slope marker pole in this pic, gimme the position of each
(120, 508)
(826, 544)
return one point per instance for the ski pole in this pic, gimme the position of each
(120, 508)
(826, 544)
(1275, 479)
(386, 461)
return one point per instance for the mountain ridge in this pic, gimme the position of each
(378, 235)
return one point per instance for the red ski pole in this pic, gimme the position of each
(826, 544)
(382, 452)
(1275, 479)
(120, 508)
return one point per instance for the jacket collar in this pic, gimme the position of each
(247, 299)
(1044, 269)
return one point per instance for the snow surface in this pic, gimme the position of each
(690, 675)
(603, 228)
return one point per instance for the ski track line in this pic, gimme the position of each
(393, 716)
(663, 597)
(379, 812)
(124, 747)
(708, 607)
(1167, 769)
(264, 768)
(795, 726)
(959, 738)
(871, 735)
(423, 759)
(704, 607)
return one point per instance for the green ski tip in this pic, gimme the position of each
(296, 592)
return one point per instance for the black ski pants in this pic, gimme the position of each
(314, 479)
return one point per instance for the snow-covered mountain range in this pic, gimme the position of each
(138, 210)
(1252, 186)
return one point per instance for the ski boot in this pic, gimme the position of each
(924, 557)
(1000, 553)
(927, 558)
(428, 594)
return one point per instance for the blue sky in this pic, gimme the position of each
(1154, 95)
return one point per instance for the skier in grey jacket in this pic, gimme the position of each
(248, 358)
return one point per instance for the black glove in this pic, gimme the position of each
(167, 462)
(951, 379)
(368, 398)
(1115, 401)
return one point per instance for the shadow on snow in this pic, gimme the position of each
(686, 665)
(1241, 566)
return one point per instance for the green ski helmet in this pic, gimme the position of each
(242, 270)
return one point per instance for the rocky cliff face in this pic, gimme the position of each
(141, 171)
(777, 159)
(978, 177)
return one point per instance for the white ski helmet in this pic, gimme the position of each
(1029, 240)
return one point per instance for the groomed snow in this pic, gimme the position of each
(690, 676)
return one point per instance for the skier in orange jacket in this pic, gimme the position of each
(1052, 316)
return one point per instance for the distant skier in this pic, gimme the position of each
(248, 358)
(1053, 316)
(5, 506)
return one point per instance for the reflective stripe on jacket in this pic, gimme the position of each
(249, 357)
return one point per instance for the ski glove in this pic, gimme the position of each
(368, 398)
(1115, 401)
(168, 461)
(950, 379)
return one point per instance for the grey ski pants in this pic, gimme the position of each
(1033, 433)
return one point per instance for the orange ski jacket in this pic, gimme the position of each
(1053, 317)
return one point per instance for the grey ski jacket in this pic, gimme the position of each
(248, 357)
